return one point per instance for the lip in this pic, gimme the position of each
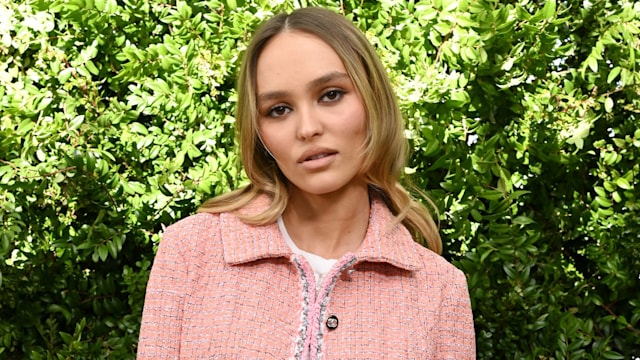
(316, 154)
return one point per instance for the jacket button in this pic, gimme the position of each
(332, 322)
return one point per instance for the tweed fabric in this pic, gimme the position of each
(221, 289)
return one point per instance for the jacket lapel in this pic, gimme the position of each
(387, 241)
(244, 243)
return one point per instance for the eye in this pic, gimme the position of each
(278, 111)
(332, 96)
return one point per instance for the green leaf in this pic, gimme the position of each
(616, 196)
(92, 67)
(475, 214)
(136, 187)
(600, 191)
(64, 75)
(491, 194)
(485, 254)
(621, 143)
(67, 338)
(103, 252)
(610, 354)
(508, 269)
(139, 128)
(113, 249)
(608, 104)
(549, 9)
(523, 220)
(111, 6)
(603, 201)
(592, 63)
(57, 308)
(507, 65)
(6, 340)
(184, 9)
(76, 122)
(608, 185)
(623, 183)
(613, 74)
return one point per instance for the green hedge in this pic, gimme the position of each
(116, 119)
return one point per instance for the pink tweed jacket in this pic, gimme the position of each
(221, 289)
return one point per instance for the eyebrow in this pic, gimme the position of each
(322, 80)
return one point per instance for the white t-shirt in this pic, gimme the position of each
(320, 265)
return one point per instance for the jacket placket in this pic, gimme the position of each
(314, 307)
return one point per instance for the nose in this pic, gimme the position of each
(309, 124)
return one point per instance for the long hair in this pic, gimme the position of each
(385, 148)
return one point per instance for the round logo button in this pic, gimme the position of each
(332, 322)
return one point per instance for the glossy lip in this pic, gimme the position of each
(307, 155)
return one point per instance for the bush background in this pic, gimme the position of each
(116, 119)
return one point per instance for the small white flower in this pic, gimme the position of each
(472, 139)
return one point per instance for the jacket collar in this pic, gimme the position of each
(385, 241)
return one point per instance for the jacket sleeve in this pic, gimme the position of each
(166, 290)
(456, 338)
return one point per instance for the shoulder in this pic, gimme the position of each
(194, 223)
(436, 268)
(205, 223)
(189, 234)
(215, 233)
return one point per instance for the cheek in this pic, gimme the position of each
(271, 139)
(355, 122)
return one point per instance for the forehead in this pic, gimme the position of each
(292, 58)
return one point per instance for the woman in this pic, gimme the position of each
(315, 258)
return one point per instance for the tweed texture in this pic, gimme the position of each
(221, 289)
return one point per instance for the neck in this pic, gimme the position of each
(328, 225)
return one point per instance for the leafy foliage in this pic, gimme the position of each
(117, 119)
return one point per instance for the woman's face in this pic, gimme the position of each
(311, 117)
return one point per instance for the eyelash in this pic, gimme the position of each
(272, 110)
(336, 93)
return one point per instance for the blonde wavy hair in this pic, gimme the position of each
(385, 148)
